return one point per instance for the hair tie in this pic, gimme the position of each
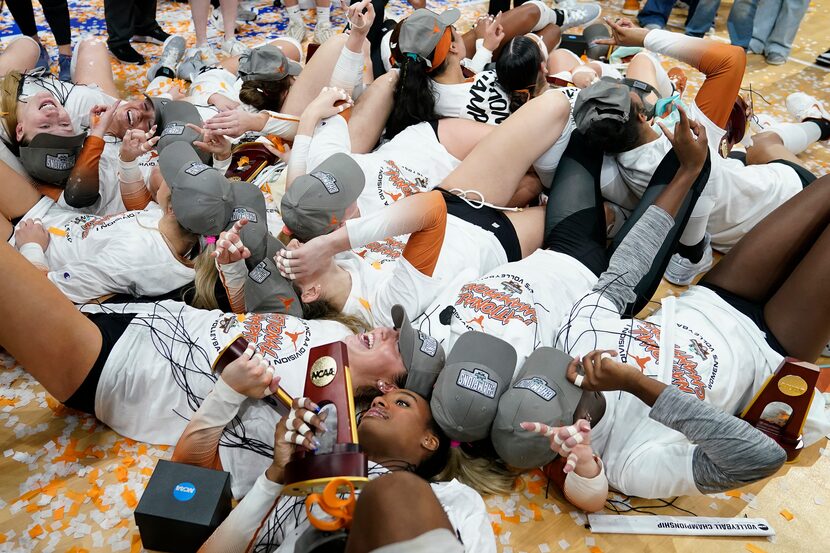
(525, 90)
(287, 231)
(412, 56)
(454, 443)
(210, 239)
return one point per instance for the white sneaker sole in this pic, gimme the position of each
(687, 281)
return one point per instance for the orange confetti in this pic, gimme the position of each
(35, 531)
(146, 471)
(73, 511)
(135, 547)
(733, 493)
(32, 507)
(92, 476)
(142, 449)
(754, 548)
(537, 512)
(128, 461)
(58, 514)
(496, 528)
(243, 162)
(514, 519)
(121, 474)
(595, 549)
(787, 515)
(129, 498)
(2, 538)
(94, 492)
(4, 401)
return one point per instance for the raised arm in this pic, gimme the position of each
(424, 216)
(83, 186)
(722, 64)
(633, 257)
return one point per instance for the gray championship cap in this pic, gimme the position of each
(422, 355)
(466, 395)
(608, 98)
(266, 63)
(50, 158)
(421, 31)
(540, 393)
(206, 203)
(174, 117)
(316, 203)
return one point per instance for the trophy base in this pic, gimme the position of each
(791, 448)
(305, 474)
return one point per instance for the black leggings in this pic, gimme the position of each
(55, 11)
(575, 215)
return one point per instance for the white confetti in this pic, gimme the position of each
(543, 547)
(564, 544)
(818, 501)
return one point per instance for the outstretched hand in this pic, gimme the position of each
(101, 117)
(212, 142)
(598, 371)
(361, 16)
(688, 140)
(572, 442)
(623, 33)
(136, 143)
(303, 260)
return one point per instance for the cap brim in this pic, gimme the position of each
(175, 157)
(553, 364)
(484, 349)
(294, 68)
(450, 16)
(406, 334)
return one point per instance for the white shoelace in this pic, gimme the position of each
(478, 204)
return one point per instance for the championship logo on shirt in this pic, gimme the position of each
(392, 185)
(477, 381)
(646, 337)
(96, 224)
(279, 338)
(488, 103)
(379, 253)
(496, 305)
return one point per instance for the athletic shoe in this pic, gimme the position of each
(171, 55)
(156, 36)
(190, 67)
(824, 59)
(682, 272)
(579, 15)
(205, 52)
(776, 59)
(216, 21)
(234, 48)
(43, 59)
(296, 31)
(127, 54)
(803, 106)
(631, 7)
(64, 67)
(323, 32)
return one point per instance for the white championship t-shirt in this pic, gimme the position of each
(414, 161)
(719, 356)
(91, 256)
(742, 194)
(162, 363)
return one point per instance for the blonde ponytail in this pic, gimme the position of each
(204, 285)
(486, 476)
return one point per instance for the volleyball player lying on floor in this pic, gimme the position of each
(665, 426)
(617, 120)
(397, 433)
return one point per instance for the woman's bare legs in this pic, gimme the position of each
(783, 263)
(563, 60)
(289, 48)
(529, 225)
(21, 55)
(49, 337)
(229, 11)
(497, 164)
(93, 66)
(315, 75)
(551, 36)
(768, 146)
(200, 10)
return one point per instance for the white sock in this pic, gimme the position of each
(294, 14)
(323, 13)
(546, 15)
(797, 137)
(696, 227)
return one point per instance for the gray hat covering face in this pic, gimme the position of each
(50, 158)
(421, 31)
(266, 63)
(316, 203)
(422, 355)
(466, 395)
(540, 393)
(174, 117)
(608, 98)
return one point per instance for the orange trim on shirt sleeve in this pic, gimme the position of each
(346, 113)
(724, 67)
(85, 172)
(424, 246)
